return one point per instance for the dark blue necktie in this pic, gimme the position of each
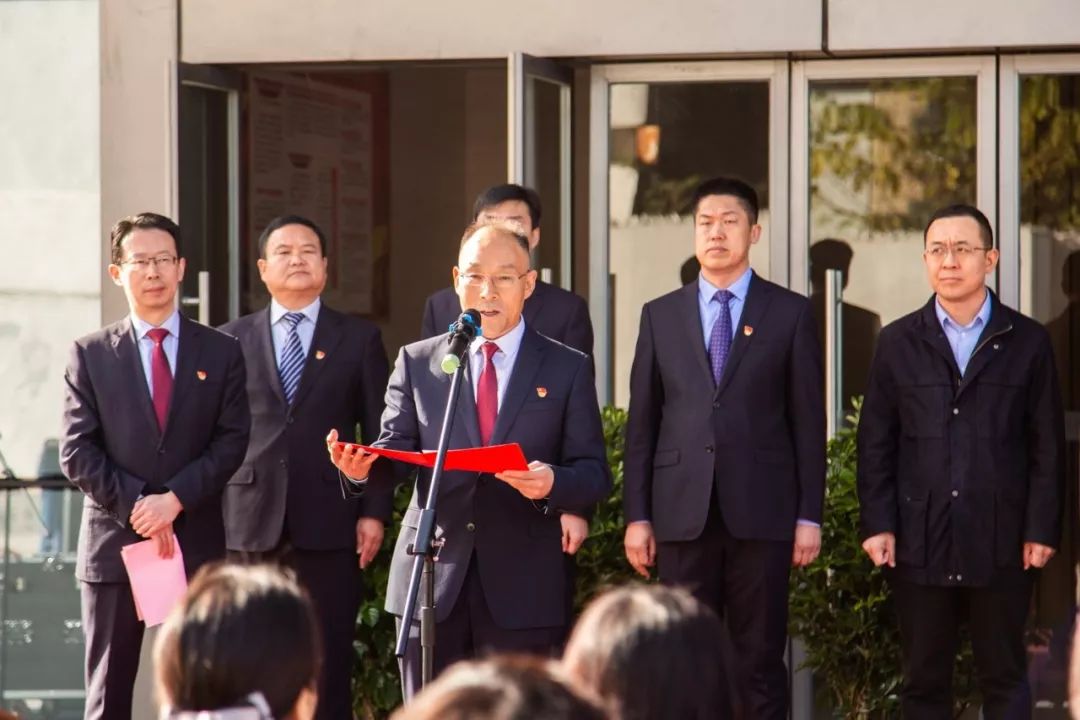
(720, 337)
(292, 357)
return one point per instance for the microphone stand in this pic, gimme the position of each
(425, 550)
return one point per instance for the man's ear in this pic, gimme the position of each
(114, 273)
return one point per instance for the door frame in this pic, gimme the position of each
(776, 72)
(231, 83)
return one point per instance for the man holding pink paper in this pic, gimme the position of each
(155, 421)
(500, 580)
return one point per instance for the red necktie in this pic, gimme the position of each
(487, 394)
(161, 378)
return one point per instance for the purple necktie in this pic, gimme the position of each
(720, 337)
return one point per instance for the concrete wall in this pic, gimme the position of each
(50, 286)
(333, 30)
(884, 25)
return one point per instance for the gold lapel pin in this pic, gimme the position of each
(319, 354)
(201, 374)
(747, 330)
(541, 392)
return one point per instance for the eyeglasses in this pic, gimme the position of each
(141, 265)
(960, 252)
(500, 282)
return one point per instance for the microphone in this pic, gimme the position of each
(462, 333)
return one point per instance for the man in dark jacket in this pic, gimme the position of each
(960, 472)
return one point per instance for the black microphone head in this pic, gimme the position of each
(471, 316)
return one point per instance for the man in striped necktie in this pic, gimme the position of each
(309, 368)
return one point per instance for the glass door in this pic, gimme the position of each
(877, 146)
(1040, 224)
(657, 130)
(208, 191)
(538, 154)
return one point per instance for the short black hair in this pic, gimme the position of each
(963, 210)
(498, 194)
(240, 629)
(142, 221)
(742, 191)
(281, 221)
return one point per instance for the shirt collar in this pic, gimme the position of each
(739, 288)
(982, 318)
(508, 343)
(311, 312)
(172, 324)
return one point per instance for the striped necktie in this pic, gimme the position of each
(291, 366)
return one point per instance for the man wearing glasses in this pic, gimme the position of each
(155, 421)
(500, 581)
(960, 472)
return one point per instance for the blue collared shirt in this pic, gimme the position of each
(509, 345)
(709, 309)
(279, 329)
(962, 338)
(170, 344)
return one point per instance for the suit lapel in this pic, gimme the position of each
(187, 358)
(691, 315)
(323, 343)
(125, 345)
(756, 304)
(465, 415)
(264, 350)
(522, 377)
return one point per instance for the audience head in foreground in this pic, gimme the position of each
(650, 651)
(500, 688)
(243, 643)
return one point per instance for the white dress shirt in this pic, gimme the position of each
(509, 344)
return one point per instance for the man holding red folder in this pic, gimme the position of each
(500, 582)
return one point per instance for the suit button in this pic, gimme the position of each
(716, 404)
(289, 420)
(471, 527)
(708, 448)
(949, 578)
(161, 451)
(956, 411)
(956, 493)
(284, 463)
(959, 578)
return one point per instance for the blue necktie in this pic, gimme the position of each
(720, 337)
(291, 366)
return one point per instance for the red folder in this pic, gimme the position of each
(490, 459)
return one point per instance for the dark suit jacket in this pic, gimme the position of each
(559, 314)
(962, 470)
(759, 436)
(287, 475)
(518, 546)
(112, 450)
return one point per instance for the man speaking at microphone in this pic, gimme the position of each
(500, 580)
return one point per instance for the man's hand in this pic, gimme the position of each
(574, 531)
(369, 537)
(155, 513)
(807, 545)
(1036, 555)
(534, 483)
(352, 461)
(164, 541)
(881, 548)
(640, 545)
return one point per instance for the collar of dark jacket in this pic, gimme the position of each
(1001, 319)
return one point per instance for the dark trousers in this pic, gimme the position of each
(113, 640)
(930, 618)
(746, 583)
(469, 631)
(333, 579)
